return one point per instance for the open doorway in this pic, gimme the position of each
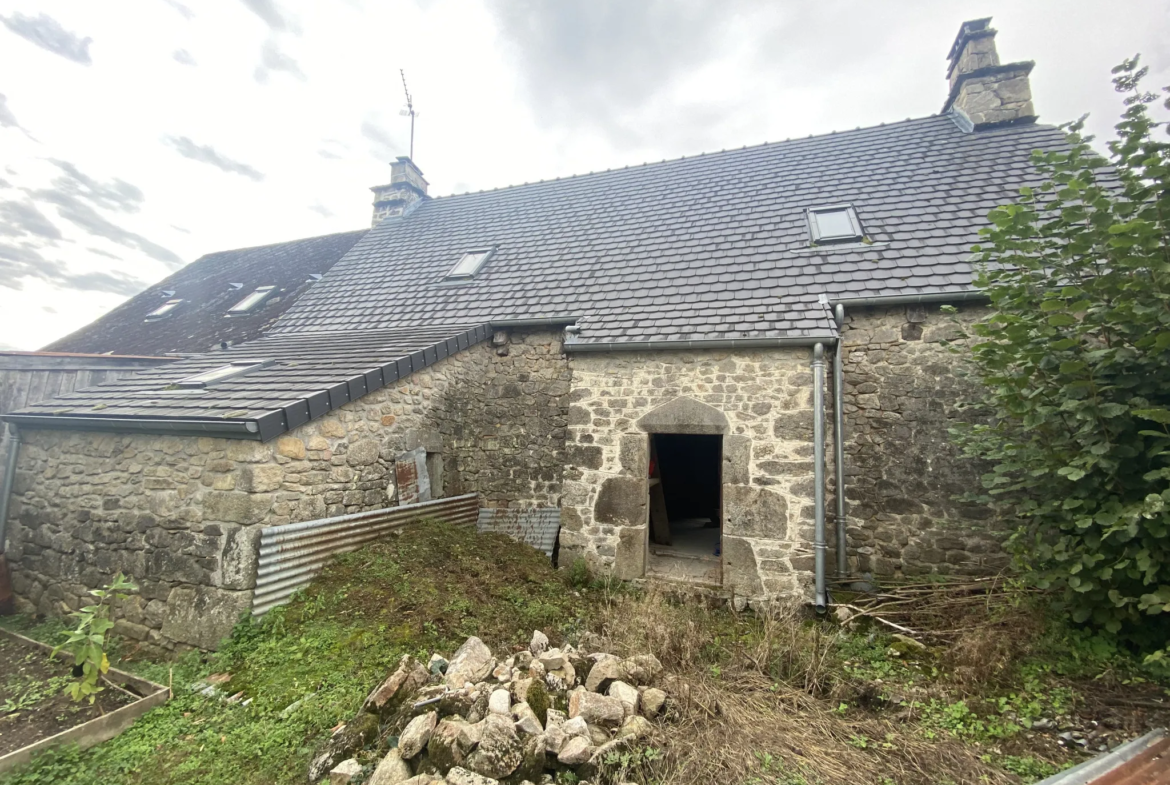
(685, 517)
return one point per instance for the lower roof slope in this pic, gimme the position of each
(308, 375)
(709, 247)
(207, 288)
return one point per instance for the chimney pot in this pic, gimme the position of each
(984, 93)
(406, 188)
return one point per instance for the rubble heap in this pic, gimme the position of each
(475, 720)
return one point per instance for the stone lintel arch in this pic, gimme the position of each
(684, 415)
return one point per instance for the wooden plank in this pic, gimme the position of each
(55, 382)
(17, 391)
(659, 522)
(36, 387)
(7, 391)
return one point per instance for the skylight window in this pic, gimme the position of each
(470, 264)
(164, 310)
(836, 224)
(252, 301)
(220, 374)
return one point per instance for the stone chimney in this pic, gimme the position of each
(985, 94)
(406, 188)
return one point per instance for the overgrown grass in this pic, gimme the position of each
(788, 700)
(773, 699)
(308, 666)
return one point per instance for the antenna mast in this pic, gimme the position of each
(409, 110)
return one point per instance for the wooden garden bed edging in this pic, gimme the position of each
(147, 696)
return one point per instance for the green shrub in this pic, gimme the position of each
(579, 575)
(1075, 359)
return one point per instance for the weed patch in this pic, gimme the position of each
(777, 698)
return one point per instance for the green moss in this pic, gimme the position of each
(538, 700)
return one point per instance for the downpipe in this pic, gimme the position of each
(839, 440)
(7, 600)
(820, 602)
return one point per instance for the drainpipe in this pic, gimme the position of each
(839, 439)
(7, 604)
(818, 368)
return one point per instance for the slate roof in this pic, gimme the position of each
(713, 247)
(310, 374)
(200, 324)
(708, 247)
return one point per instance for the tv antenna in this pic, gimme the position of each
(408, 111)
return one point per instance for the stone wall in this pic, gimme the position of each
(182, 515)
(760, 400)
(505, 424)
(902, 387)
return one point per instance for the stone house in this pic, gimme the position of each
(728, 369)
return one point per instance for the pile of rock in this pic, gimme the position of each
(475, 720)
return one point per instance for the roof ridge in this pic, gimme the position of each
(668, 161)
(279, 333)
(285, 242)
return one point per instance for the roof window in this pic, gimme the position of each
(252, 301)
(836, 224)
(164, 310)
(220, 374)
(470, 264)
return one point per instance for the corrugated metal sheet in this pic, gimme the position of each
(538, 528)
(290, 555)
(1144, 761)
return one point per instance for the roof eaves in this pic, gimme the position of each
(960, 296)
(210, 426)
(706, 343)
(270, 424)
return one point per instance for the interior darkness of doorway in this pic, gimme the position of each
(689, 466)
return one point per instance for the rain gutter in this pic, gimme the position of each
(820, 602)
(540, 321)
(839, 440)
(12, 438)
(228, 429)
(710, 343)
(911, 299)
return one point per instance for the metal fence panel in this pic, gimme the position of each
(538, 527)
(290, 555)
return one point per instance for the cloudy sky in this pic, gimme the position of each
(137, 135)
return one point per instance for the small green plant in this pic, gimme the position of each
(639, 758)
(1027, 767)
(579, 575)
(87, 643)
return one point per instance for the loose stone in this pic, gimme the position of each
(576, 751)
(417, 733)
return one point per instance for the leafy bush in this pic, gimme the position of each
(1076, 364)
